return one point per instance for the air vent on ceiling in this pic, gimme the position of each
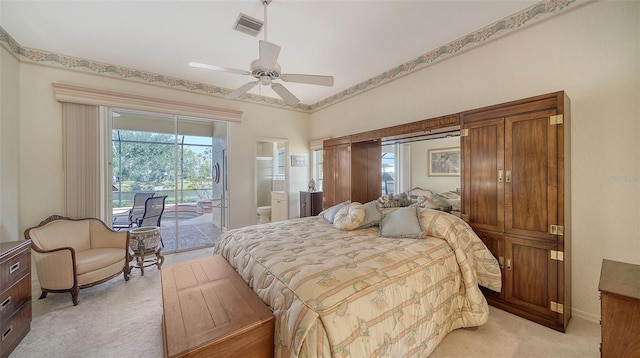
(248, 25)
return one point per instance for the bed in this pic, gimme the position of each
(355, 293)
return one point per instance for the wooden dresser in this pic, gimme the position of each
(209, 311)
(15, 296)
(620, 309)
(310, 203)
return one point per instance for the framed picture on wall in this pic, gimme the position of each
(299, 161)
(444, 162)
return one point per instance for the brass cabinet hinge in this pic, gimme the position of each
(556, 230)
(558, 119)
(557, 255)
(464, 132)
(557, 307)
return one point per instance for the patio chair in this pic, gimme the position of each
(135, 213)
(153, 210)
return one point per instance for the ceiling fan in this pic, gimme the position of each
(266, 69)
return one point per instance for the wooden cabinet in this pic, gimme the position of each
(15, 294)
(278, 206)
(310, 203)
(366, 169)
(620, 309)
(515, 194)
(352, 165)
(336, 167)
(351, 171)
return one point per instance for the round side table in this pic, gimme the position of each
(145, 241)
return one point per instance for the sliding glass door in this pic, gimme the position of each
(179, 158)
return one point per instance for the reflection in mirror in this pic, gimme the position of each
(405, 163)
(270, 179)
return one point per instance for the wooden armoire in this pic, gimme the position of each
(516, 196)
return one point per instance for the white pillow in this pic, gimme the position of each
(402, 223)
(330, 213)
(350, 217)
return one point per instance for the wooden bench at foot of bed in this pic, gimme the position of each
(209, 311)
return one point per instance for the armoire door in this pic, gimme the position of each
(366, 164)
(329, 182)
(531, 175)
(337, 174)
(483, 174)
(531, 275)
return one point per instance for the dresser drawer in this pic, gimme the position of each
(12, 332)
(14, 267)
(12, 299)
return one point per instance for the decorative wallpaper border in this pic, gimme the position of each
(499, 28)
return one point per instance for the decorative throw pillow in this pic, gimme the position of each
(372, 215)
(349, 217)
(453, 198)
(393, 201)
(330, 213)
(437, 202)
(402, 223)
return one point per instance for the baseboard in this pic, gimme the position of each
(585, 315)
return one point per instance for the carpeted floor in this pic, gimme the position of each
(123, 319)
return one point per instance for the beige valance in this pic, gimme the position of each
(89, 96)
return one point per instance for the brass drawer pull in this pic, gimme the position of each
(13, 268)
(5, 303)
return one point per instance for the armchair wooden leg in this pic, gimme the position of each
(74, 295)
(126, 270)
(43, 295)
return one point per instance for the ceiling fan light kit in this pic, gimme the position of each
(266, 69)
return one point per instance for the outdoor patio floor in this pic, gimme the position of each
(193, 233)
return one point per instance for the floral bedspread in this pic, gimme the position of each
(355, 294)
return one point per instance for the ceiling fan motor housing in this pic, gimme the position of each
(257, 71)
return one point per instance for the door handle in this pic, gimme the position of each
(500, 173)
(508, 176)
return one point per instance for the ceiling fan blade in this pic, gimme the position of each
(285, 94)
(310, 79)
(241, 90)
(218, 68)
(268, 54)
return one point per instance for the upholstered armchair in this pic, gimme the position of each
(70, 254)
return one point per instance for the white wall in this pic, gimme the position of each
(9, 144)
(40, 150)
(593, 53)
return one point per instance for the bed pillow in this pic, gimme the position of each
(349, 217)
(453, 198)
(402, 223)
(330, 213)
(437, 202)
(372, 215)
